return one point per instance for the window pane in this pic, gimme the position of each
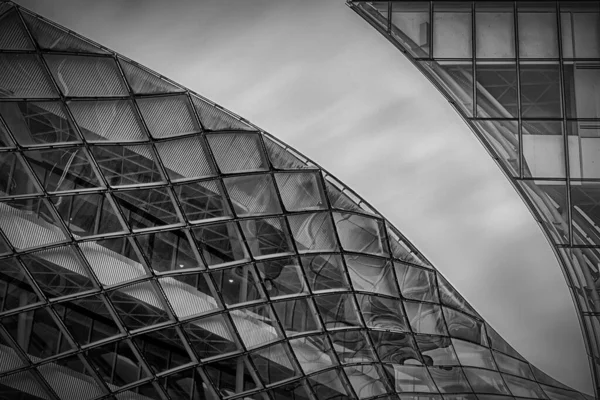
(540, 90)
(410, 25)
(494, 30)
(538, 36)
(452, 31)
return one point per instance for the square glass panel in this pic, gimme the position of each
(337, 311)
(416, 283)
(324, 272)
(543, 149)
(538, 31)
(297, 316)
(452, 30)
(494, 30)
(190, 294)
(231, 376)
(220, 243)
(361, 234)
(409, 378)
(425, 318)
(202, 200)
(274, 363)
(138, 305)
(540, 90)
(513, 366)
(497, 95)
(282, 277)
(313, 232)
(370, 274)
(17, 289)
(162, 350)
(367, 380)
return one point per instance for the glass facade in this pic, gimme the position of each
(525, 76)
(154, 245)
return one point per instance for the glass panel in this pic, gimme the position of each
(238, 285)
(464, 327)
(313, 232)
(410, 378)
(301, 191)
(202, 200)
(30, 223)
(371, 274)
(13, 35)
(484, 381)
(162, 349)
(582, 83)
(63, 169)
(313, 353)
(237, 152)
(113, 260)
(88, 214)
(416, 283)
(52, 37)
(436, 350)
(168, 251)
(324, 272)
(58, 271)
(9, 382)
(543, 149)
(494, 24)
(472, 355)
(220, 243)
(296, 316)
(410, 25)
(503, 137)
(550, 201)
(382, 313)
(86, 76)
(127, 165)
(580, 30)
(189, 295)
(24, 77)
(145, 82)
(211, 336)
(69, 378)
(38, 122)
(524, 388)
(452, 30)
(185, 158)
(36, 333)
(585, 213)
(116, 363)
(87, 319)
(168, 115)
(292, 391)
(282, 277)
(456, 77)
(367, 380)
(280, 158)
(513, 366)
(16, 178)
(138, 306)
(449, 296)
(425, 318)
(328, 386)
(361, 234)
(450, 380)
(146, 208)
(16, 288)
(214, 118)
(256, 325)
(274, 364)
(253, 195)
(231, 376)
(497, 90)
(337, 311)
(540, 90)
(397, 348)
(107, 120)
(538, 36)
(268, 236)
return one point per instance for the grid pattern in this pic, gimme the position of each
(525, 76)
(155, 246)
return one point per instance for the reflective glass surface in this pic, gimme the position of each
(153, 245)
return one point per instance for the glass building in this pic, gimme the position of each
(154, 245)
(525, 77)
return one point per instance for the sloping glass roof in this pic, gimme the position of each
(525, 76)
(154, 245)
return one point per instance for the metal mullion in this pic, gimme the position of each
(521, 174)
(473, 60)
(195, 113)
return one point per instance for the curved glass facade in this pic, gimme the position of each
(525, 76)
(156, 246)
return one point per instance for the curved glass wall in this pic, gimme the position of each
(155, 246)
(525, 76)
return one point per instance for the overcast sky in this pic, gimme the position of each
(318, 77)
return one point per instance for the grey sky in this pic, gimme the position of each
(318, 77)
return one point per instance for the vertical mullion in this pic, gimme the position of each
(519, 103)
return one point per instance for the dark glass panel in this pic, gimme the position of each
(425, 318)
(231, 376)
(416, 283)
(16, 178)
(328, 386)
(16, 290)
(282, 277)
(337, 311)
(211, 336)
(352, 346)
(267, 236)
(314, 352)
(168, 251)
(138, 305)
(220, 243)
(274, 363)
(436, 350)
(297, 316)
(162, 350)
(237, 285)
(538, 30)
(88, 214)
(147, 208)
(540, 90)
(361, 234)
(116, 363)
(497, 90)
(396, 348)
(127, 165)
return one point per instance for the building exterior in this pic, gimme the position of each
(525, 76)
(154, 245)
